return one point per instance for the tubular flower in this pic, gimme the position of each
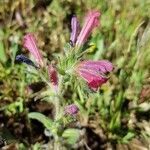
(29, 42)
(53, 77)
(71, 109)
(74, 30)
(93, 72)
(91, 21)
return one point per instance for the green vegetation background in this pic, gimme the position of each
(123, 108)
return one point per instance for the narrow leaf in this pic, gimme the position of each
(47, 122)
(3, 57)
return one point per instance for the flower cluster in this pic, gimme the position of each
(29, 42)
(93, 72)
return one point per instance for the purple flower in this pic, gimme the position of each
(26, 60)
(71, 109)
(29, 42)
(75, 30)
(93, 72)
(91, 21)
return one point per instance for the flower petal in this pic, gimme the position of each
(103, 66)
(95, 84)
(90, 75)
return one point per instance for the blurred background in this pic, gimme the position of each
(123, 38)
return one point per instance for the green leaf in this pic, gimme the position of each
(71, 135)
(13, 108)
(128, 137)
(115, 121)
(3, 57)
(99, 52)
(119, 101)
(36, 146)
(14, 50)
(22, 146)
(47, 122)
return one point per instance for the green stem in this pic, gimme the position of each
(57, 99)
(57, 145)
(57, 108)
(80, 95)
(43, 78)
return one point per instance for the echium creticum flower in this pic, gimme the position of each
(91, 21)
(93, 72)
(29, 42)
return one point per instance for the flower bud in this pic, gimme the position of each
(71, 109)
(74, 30)
(53, 77)
(26, 60)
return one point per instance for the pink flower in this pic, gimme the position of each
(53, 76)
(93, 72)
(29, 42)
(91, 21)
